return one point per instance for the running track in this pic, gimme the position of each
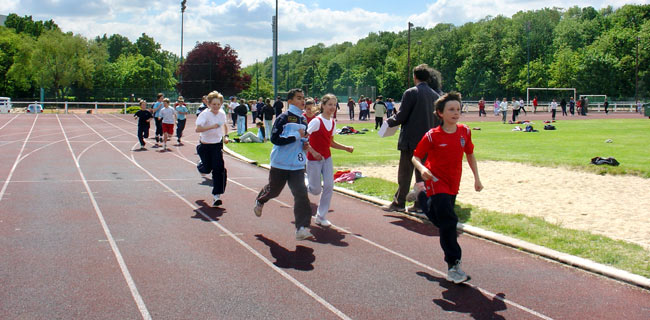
(90, 229)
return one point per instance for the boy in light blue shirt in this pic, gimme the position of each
(288, 159)
(181, 111)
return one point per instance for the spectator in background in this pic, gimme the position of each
(503, 108)
(390, 107)
(351, 106)
(278, 106)
(267, 115)
(606, 105)
(380, 110)
(572, 105)
(416, 116)
(481, 107)
(535, 104)
(563, 106)
(231, 110)
(496, 106)
(240, 112)
(553, 109)
(515, 109)
(257, 111)
(363, 108)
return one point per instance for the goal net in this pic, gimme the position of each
(546, 95)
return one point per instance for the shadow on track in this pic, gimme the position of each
(426, 229)
(329, 236)
(300, 259)
(212, 212)
(466, 299)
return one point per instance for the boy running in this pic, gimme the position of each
(443, 148)
(168, 116)
(321, 132)
(288, 163)
(157, 106)
(144, 118)
(212, 128)
(182, 111)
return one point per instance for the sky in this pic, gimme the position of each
(245, 25)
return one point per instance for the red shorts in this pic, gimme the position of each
(168, 128)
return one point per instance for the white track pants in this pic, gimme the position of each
(315, 171)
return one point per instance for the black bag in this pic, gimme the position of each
(609, 161)
(549, 127)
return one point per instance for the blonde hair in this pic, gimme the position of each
(166, 100)
(214, 95)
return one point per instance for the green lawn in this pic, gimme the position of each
(573, 144)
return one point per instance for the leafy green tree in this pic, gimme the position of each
(28, 26)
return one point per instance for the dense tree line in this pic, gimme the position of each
(35, 54)
(584, 48)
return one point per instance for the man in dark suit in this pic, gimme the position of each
(416, 116)
(277, 106)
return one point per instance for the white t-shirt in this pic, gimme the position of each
(314, 125)
(208, 118)
(167, 115)
(232, 106)
(553, 105)
(503, 106)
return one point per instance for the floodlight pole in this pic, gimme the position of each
(257, 78)
(636, 73)
(275, 51)
(528, 54)
(408, 58)
(183, 7)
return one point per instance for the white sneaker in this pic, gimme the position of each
(322, 222)
(258, 208)
(217, 201)
(456, 275)
(302, 233)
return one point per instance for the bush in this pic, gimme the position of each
(131, 110)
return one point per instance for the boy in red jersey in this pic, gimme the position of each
(443, 148)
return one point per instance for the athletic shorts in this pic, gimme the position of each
(168, 128)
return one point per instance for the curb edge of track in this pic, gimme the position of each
(564, 258)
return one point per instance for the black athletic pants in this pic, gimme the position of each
(179, 128)
(159, 132)
(296, 180)
(351, 113)
(553, 113)
(143, 133)
(440, 211)
(378, 122)
(564, 111)
(212, 157)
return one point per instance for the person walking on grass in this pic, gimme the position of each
(553, 109)
(267, 117)
(416, 117)
(380, 110)
(157, 106)
(182, 111)
(144, 119)
(288, 161)
(168, 116)
(503, 107)
(515, 109)
(212, 127)
(351, 106)
(443, 148)
(390, 107)
(319, 160)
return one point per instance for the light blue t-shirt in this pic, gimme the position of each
(181, 108)
(156, 105)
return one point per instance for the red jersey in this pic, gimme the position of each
(308, 118)
(444, 157)
(321, 140)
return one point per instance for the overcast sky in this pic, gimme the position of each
(246, 24)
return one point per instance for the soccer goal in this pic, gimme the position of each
(547, 94)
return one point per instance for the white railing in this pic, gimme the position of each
(66, 106)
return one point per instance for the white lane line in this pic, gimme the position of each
(287, 276)
(45, 146)
(13, 168)
(88, 148)
(8, 122)
(486, 292)
(116, 251)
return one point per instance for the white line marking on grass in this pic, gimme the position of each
(116, 251)
(8, 122)
(512, 303)
(13, 168)
(287, 276)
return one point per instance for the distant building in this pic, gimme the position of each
(3, 18)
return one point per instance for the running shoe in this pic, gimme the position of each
(456, 275)
(322, 222)
(217, 201)
(258, 208)
(302, 233)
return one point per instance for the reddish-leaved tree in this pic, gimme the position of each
(210, 67)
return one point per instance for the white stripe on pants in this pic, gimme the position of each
(316, 170)
(268, 125)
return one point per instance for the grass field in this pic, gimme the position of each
(573, 144)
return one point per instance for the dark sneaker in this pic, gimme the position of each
(217, 201)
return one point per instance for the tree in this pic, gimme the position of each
(211, 67)
(60, 61)
(11, 47)
(28, 26)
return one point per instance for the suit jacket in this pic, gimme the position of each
(415, 115)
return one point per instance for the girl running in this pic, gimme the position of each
(319, 161)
